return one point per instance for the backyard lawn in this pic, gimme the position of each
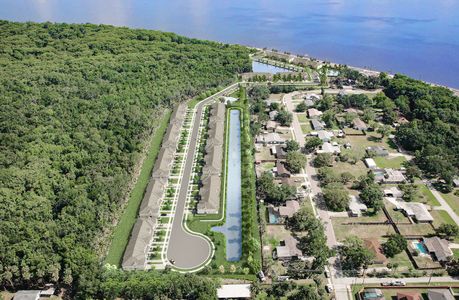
(426, 196)
(306, 127)
(361, 142)
(342, 231)
(452, 200)
(389, 162)
(302, 118)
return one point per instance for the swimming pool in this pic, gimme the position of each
(273, 218)
(420, 247)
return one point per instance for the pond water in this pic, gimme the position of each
(232, 227)
(259, 67)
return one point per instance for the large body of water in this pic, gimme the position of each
(416, 37)
(232, 227)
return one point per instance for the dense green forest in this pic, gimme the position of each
(78, 103)
(433, 130)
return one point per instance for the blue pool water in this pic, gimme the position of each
(273, 219)
(259, 67)
(232, 227)
(420, 246)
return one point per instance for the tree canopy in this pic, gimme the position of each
(78, 105)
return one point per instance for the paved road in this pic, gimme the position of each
(189, 250)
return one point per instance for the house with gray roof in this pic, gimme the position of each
(210, 195)
(438, 248)
(440, 294)
(377, 151)
(163, 163)
(288, 250)
(358, 124)
(135, 255)
(27, 295)
(317, 125)
(211, 182)
(152, 198)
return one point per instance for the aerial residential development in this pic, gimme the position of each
(138, 164)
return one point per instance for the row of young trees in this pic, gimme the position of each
(78, 104)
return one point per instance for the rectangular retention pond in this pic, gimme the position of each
(232, 227)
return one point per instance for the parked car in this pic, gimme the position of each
(283, 278)
(261, 275)
(398, 283)
(329, 288)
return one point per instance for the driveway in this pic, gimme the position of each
(190, 250)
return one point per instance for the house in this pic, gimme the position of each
(377, 151)
(370, 163)
(288, 250)
(438, 248)
(289, 209)
(372, 294)
(393, 176)
(374, 246)
(309, 103)
(209, 195)
(234, 291)
(415, 210)
(281, 170)
(356, 207)
(314, 113)
(439, 294)
(324, 135)
(456, 182)
(393, 192)
(409, 295)
(273, 114)
(27, 295)
(271, 125)
(278, 152)
(332, 148)
(359, 124)
(135, 255)
(269, 138)
(317, 125)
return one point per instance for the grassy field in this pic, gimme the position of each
(123, 229)
(302, 118)
(361, 142)
(306, 127)
(427, 197)
(390, 162)
(342, 231)
(452, 200)
(356, 169)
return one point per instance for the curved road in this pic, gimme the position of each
(188, 250)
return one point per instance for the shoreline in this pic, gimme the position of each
(363, 70)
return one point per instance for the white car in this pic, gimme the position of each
(329, 288)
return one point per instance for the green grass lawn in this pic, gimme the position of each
(361, 142)
(390, 162)
(452, 200)
(455, 252)
(302, 118)
(441, 217)
(123, 229)
(306, 127)
(426, 196)
(342, 230)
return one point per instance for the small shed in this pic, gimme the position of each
(370, 163)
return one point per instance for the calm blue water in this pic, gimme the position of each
(416, 37)
(232, 227)
(259, 67)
